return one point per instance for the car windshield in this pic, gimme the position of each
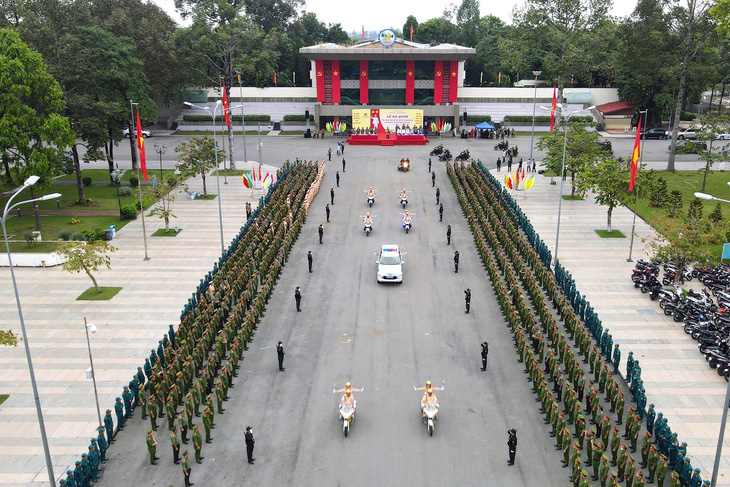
(389, 260)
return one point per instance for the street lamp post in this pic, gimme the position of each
(562, 176)
(160, 150)
(39, 411)
(636, 204)
(534, 106)
(90, 327)
(116, 175)
(214, 113)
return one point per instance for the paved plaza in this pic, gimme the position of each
(383, 338)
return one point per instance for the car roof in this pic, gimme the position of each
(389, 248)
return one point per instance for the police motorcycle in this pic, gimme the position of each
(429, 412)
(403, 198)
(370, 195)
(404, 165)
(407, 221)
(367, 221)
(347, 411)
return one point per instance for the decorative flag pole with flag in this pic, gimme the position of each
(553, 107)
(363, 31)
(140, 145)
(411, 31)
(226, 112)
(635, 157)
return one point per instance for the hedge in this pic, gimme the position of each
(542, 118)
(234, 118)
(478, 118)
(688, 116)
(297, 118)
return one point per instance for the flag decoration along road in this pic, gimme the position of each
(140, 145)
(636, 154)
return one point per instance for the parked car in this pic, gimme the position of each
(686, 134)
(655, 133)
(689, 147)
(145, 133)
(725, 136)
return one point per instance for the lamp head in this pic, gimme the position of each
(51, 196)
(704, 196)
(218, 102)
(31, 180)
(537, 73)
(156, 146)
(91, 327)
(590, 108)
(187, 103)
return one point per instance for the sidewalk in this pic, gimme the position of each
(676, 376)
(55, 325)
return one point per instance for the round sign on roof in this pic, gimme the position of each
(387, 37)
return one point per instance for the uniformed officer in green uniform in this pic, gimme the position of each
(102, 444)
(653, 463)
(197, 444)
(661, 470)
(109, 426)
(207, 423)
(152, 447)
(186, 469)
(175, 441)
(603, 471)
(630, 471)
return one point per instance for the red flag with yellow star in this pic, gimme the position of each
(226, 112)
(140, 145)
(635, 157)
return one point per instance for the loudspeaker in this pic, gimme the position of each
(308, 134)
(306, 115)
(464, 117)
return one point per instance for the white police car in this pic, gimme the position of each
(390, 264)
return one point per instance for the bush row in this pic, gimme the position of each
(297, 118)
(542, 118)
(234, 118)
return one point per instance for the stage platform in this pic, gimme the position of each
(389, 140)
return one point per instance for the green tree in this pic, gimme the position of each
(695, 26)
(559, 37)
(609, 181)
(34, 132)
(484, 66)
(580, 150)
(694, 214)
(715, 217)
(674, 203)
(197, 156)
(721, 12)
(8, 338)
(468, 20)
(678, 244)
(659, 193)
(437, 31)
(712, 124)
(87, 257)
(411, 22)
(164, 194)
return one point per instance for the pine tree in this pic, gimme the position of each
(694, 213)
(716, 215)
(674, 203)
(658, 196)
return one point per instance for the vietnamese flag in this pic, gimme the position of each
(226, 113)
(635, 156)
(411, 31)
(363, 31)
(140, 145)
(553, 107)
(274, 77)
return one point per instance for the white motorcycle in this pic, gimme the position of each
(368, 228)
(403, 201)
(407, 225)
(371, 200)
(347, 414)
(430, 418)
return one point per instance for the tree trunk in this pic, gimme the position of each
(77, 169)
(167, 223)
(722, 95)
(205, 188)
(572, 184)
(231, 161)
(96, 285)
(11, 182)
(712, 94)
(132, 143)
(36, 213)
(609, 212)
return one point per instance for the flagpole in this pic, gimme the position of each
(243, 120)
(139, 186)
(223, 137)
(636, 204)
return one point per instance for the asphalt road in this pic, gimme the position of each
(385, 338)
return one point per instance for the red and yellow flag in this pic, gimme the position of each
(635, 156)
(553, 107)
(226, 112)
(411, 31)
(140, 145)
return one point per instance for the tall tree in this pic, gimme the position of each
(411, 22)
(557, 37)
(33, 132)
(468, 20)
(695, 26)
(437, 31)
(484, 66)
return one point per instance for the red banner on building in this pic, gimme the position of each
(364, 82)
(454, 81)
(438, 83)
(335, 82)
(319, 73)
(410, 81)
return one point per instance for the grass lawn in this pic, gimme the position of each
(128, 174)
(103, 197)
(206, 197)
(106, 294)
(237, 172)
(164, 233)
(574, 198)
(3, 397)
(95, 174)
(611, 234)
(50, 226)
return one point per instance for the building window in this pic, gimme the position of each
(350, 96)
(386, 70)
(425, 69)
(387, 97)
(350, 70)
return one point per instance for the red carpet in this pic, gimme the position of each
(390, 140)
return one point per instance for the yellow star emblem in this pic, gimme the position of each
(363, 73)
(335, 73)
(438, 73)
(453, 73)
(410, 73)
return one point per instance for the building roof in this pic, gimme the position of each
(620, 107)
(402, 50)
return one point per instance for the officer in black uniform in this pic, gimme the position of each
(309, 260)
(448, 235)
(512, 446)
(298, 298)
(485, 353)
(249, 444)
(433, 179)
(456, 261)
(332, 196)
(280, 353)
(467, 298)
(441, 212)
(438, 195)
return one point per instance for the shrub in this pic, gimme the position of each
(297, 118)
(674, 203)
(77, 237)
(29, 237)
(480, 118)
(541, 118)
(129, 212)
(74, 221)
(133, 182)
(87, 180)
(93, 234)
(688, 116)
(234, 118)
(64, 235)
(125, 191)
(659, 193)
